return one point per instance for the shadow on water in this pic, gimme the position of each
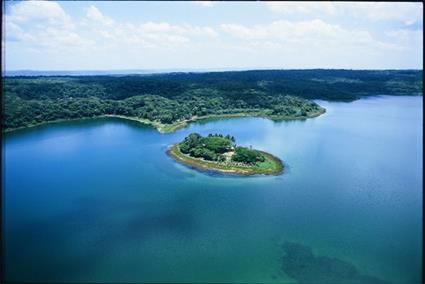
(299, 263)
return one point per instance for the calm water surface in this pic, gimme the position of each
(100, 201)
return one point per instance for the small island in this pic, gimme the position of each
(220, 153)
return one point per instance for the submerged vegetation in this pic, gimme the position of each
(170, 101)
(299, 262)
(220, 153)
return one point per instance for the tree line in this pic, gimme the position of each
(168, 98)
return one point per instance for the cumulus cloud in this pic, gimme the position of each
(48, 25)
(146, 35)
(298, 34)
(304, 33)
(43, 24)
(41, 12)
(297, 7)
(204, 3)
(408, 39)
(96, 15)
(15, 33)
(406, 13)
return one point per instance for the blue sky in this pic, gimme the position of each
(80, 35)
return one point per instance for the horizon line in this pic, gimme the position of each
(200, 70)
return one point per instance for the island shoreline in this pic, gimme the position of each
(200, 164)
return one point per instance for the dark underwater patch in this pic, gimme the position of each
(299, 263)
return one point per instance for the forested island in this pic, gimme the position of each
(169, 101)
(220, 153)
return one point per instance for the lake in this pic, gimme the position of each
(100, 201)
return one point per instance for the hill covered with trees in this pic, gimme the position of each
(170, 100)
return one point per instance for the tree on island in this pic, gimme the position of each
(247, 156)
(210, 148)
(214, 146)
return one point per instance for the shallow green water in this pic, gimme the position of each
(100, 201)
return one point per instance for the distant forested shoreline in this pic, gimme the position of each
(172, 99)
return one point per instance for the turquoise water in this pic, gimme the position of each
(100, 201)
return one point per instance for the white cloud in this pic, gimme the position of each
(316, 43)
(406, 13)
(299, 32)
(208, 4)
(161, 34)
(307, 40)
(43, 25)
(145, 35)
(94, 14)
(296, 7)
(45, 12)
(408, 39)
(15, 33)
(61, 39)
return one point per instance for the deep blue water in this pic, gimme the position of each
(100, 201)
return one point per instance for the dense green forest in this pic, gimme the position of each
(173, 97)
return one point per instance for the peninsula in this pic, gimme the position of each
(172, 101)
(220, 153)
